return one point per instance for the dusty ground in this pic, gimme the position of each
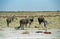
(11, 33)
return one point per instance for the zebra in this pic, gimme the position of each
(41, 19)
(10, 19)
(27, 20)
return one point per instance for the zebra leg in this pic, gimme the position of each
(22, 27)
(29, 25)
(45, 25)
(8, 24)
(26, 25)
(45, 28)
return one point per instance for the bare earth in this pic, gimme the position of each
(11, 33)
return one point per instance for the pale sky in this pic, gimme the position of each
(29, 5)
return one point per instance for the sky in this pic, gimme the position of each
(29, 5)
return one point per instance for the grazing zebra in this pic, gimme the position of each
(10, 19)
(25, 21)
(41, 19)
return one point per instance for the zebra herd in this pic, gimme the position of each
(28, 20)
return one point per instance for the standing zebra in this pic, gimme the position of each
(27, 20)
(10, 19)
(41, 19)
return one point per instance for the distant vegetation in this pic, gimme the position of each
(25, 11)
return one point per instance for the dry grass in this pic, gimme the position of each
(54, 21)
